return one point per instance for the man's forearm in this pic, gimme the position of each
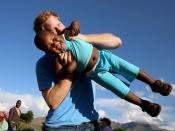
(106, 40)
(55, 95)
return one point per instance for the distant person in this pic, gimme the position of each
(100, 65)
(106, 124)
(3, 122)
(14, 116)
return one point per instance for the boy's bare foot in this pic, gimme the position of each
(161, 87)
(152, 109)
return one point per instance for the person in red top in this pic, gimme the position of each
(3, 122)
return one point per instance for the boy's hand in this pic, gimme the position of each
(75, 28)
(72, 30)
(63, 64)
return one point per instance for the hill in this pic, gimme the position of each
(136, 126)
(37, 123)
(131, 126)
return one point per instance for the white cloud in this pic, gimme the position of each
(99, 87)
(147, 87)
(29, 102)
(102, 113)
(130, 112)
(170, 126)
(173, 90)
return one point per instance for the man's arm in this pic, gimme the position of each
(105, 40)
(10, 115)
(56, 94)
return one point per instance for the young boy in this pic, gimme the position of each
(99, 66)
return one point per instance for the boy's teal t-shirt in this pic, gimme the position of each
(81, 50)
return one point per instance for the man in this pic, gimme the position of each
(14, 116)
(71, 99)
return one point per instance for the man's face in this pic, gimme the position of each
(52, 43)
(18, 104)
(54, 25)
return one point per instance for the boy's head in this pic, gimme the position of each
(49, 42)
(48, 21)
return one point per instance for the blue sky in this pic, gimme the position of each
(146, 28)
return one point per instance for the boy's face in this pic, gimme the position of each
(52, 43)
(54, 25)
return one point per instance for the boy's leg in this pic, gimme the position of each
(152, 109)
(156, 85)
(114, 84)
(144, 77)
(111, 83)
(123, 67)
(130, 72)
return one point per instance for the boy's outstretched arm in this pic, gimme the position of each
(105, 40)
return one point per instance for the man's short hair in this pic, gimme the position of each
(18, 101)
(40, 20)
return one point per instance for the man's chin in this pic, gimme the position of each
(60, 32)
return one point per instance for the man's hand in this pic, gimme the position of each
(65, 64)
(72, 30)
(65, 58)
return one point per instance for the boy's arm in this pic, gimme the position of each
(105, 40)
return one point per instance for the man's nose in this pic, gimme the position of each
(57, 31)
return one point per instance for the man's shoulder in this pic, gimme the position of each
(12, 108)
(45, 59)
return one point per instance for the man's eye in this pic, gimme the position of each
(52, 31)
(59, 23)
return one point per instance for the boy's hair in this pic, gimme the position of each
(40, 20)
(38, 40)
